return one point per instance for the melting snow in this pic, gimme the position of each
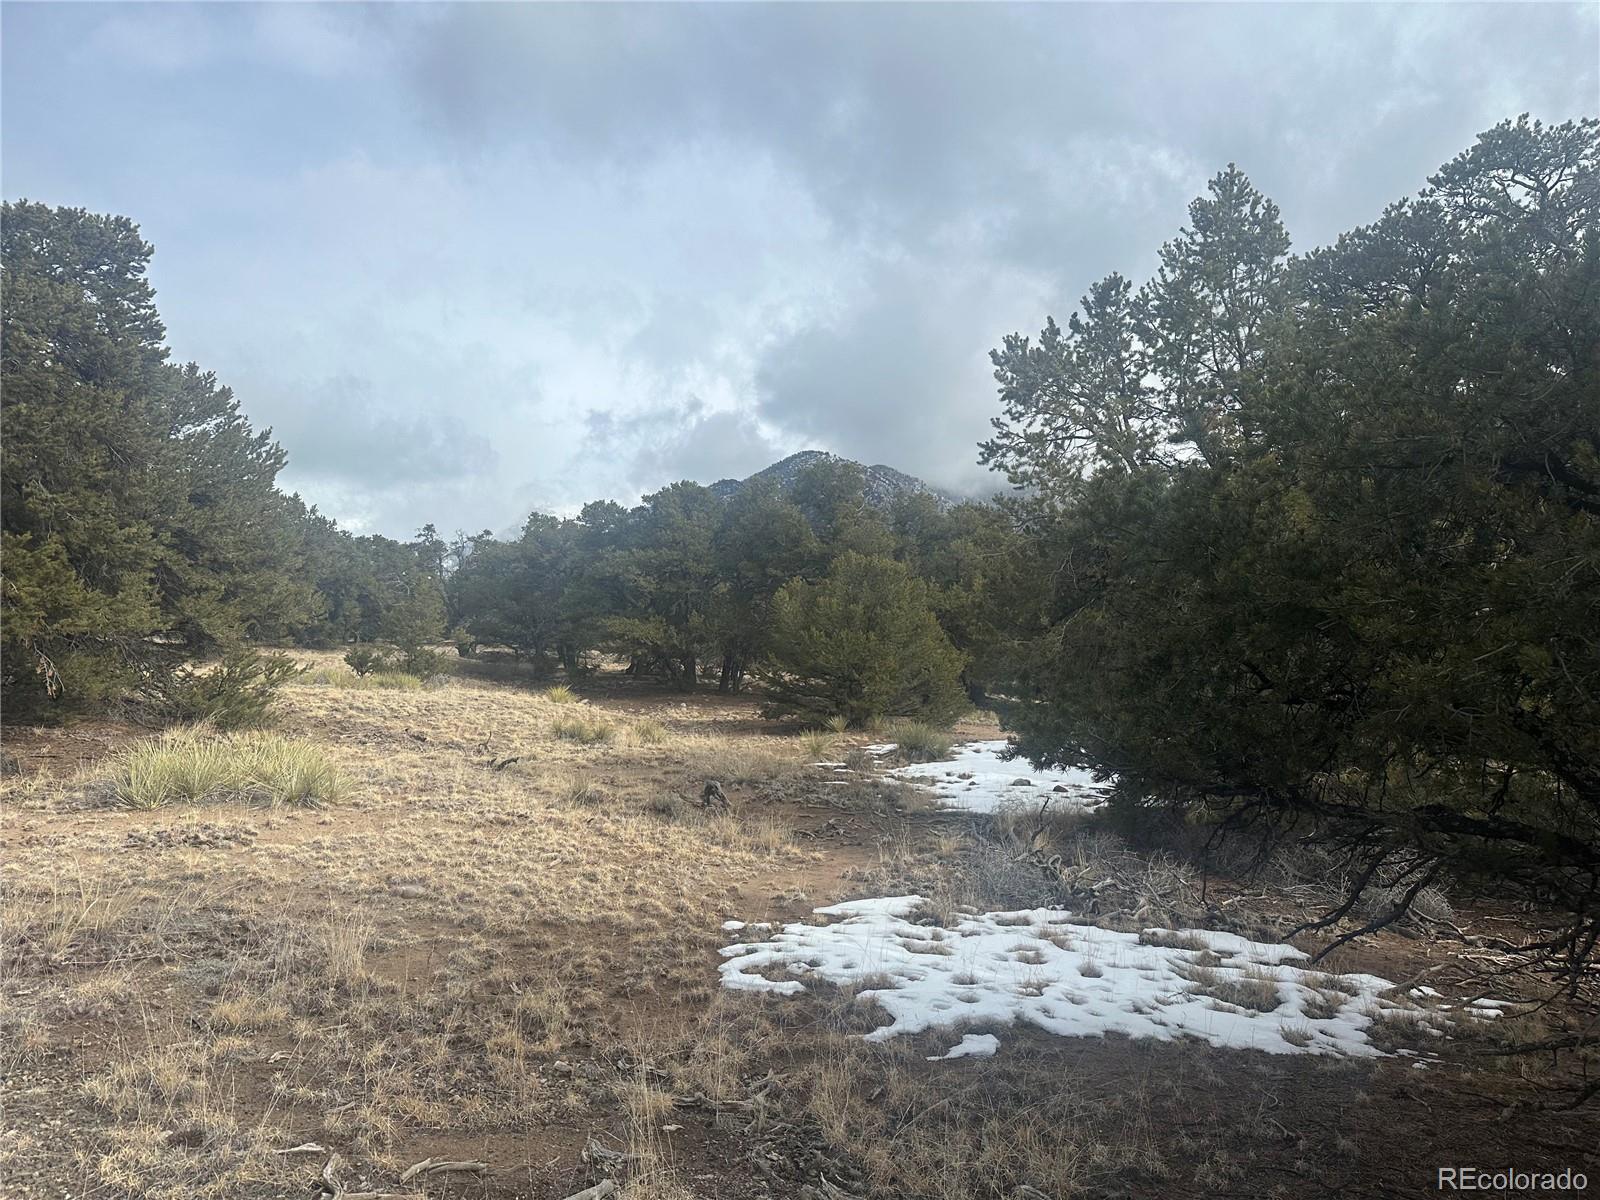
(993, 969)
(975, 777)
(974, 1045)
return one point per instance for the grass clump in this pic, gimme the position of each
(561, 694)
(647, 732)
(579, 789)
(919, 742)
(397, 681)
(588, 730)
(817, 744)
(260, 768)
(1253, 989)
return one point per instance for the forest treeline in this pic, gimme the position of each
(143, 528)
(1294, 543)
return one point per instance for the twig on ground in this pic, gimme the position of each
(434, 1166)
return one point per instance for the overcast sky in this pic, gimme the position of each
(471, 260)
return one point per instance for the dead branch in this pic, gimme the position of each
(436, 1166)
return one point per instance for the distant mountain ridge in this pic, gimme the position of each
(883, 484)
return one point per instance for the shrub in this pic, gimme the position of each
(418, 661)
(236, 694)
(364, 660)
(863, 643)
(255, 767)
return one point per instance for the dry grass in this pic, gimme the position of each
(459, 957)
(584, 728)
(916, 741)
(343, 677)
(420, 955)
(817, 745)
(197, 767)
(1251, 988)
(901, 1130)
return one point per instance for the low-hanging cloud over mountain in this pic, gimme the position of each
(468, 260)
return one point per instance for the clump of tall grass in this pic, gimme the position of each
(647, 732)
(817, 744)
(561, 694)
(580, 727)
(397, 681)
(919, 742)
(257, 768)
(579, 789)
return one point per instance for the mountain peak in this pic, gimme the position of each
(883, 483)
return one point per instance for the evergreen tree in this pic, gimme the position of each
(762, 543)
(136, 498)
(1365, 600)
(662, 580)
(862, 643)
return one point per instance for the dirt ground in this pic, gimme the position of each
(499, 948)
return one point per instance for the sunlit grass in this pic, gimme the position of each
(195, 768)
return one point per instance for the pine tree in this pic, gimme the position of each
(862, 643)
(136, 498)
(1366, 601)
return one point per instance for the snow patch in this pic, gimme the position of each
(974, 1045)
(1038, 966)
(976, 778)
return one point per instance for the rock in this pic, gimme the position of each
(1019, 782)
(408, 891)
(1061, 787)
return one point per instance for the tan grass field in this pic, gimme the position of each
(473, 923)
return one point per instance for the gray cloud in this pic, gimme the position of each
(582, 250)
(903, 376)
(682, 441)
(340, 430)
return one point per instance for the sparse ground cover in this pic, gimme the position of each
(491, 937)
